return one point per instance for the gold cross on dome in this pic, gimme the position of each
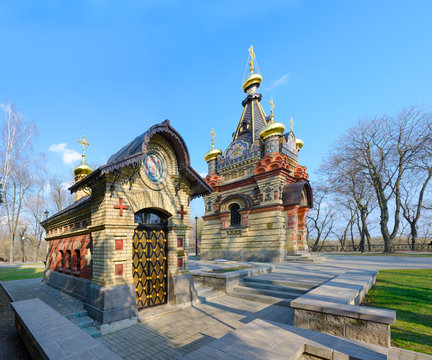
(84, 143)
(252, 57)
(271, 108)
(212, 133)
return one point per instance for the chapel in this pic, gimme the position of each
(261, 194)
(122, 245)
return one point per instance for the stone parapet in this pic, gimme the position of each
(331, 308)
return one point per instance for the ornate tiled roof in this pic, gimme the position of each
(252, 120)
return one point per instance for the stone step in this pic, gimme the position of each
(82, 321)
(206, 293)
(209, 295)
(266, 286)
(289, 284)
(269, 292)
(260, 298)
(93, 331)
(76, 314)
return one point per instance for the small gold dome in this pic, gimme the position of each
(82, 169)
(212, 154)
(273, 128)
(252, 79)
(299, 143)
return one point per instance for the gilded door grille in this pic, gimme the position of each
(149, 263)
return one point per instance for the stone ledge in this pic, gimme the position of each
(49, 335)
(331, 308)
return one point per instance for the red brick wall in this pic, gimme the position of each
(83, 243)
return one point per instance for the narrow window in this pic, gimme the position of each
(235, 215)
(78, 260)
(69, 259)
(61, 262)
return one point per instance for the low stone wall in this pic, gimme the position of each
(229, 280)
(331, 308)
(49, 335)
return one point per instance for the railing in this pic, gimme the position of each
(373, 248)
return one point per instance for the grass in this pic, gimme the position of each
(380, 254)
(18, 273)
(409, 292)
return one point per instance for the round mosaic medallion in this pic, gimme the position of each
(154, 167)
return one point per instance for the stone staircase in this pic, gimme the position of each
(206, 293)
(85, 322)
(266, 289)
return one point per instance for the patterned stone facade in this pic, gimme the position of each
(97, 230)
(261, 194)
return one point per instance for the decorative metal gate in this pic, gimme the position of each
(149, 263)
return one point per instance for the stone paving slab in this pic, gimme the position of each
(270, 340)
(56, 337)
(177, 334)
(34, 288)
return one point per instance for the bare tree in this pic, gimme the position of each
(37, 205)
(320, 219)
(59, 194)
(413, 192)
(16, 135)
(14, 196)
(383, 149)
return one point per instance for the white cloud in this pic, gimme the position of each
(283, 79)
(69, 156)
(203, 174)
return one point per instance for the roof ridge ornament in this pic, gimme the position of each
(252, 57)
(292, 124)
(212, 153)
(84, 143)
(271, 110)
(253, 81)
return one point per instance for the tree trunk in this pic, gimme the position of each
(11, 249)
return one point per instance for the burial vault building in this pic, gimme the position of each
(120, 246)
(261, 194)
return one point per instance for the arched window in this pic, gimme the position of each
(235, 215)
(152, 218)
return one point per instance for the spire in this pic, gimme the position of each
(291, 124)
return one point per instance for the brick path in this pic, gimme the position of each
(179, 333)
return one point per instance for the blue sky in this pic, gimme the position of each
(111, 69)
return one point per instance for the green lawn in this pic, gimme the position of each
(409, 292)
(17, 273)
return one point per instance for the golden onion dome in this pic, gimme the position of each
(82, 169)
(212, 154)
(273, 128)
(253, 79)
(299, 143)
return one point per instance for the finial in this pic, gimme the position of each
(84, 143)
(292, 124)
(271, 109)
(252, 57)
(212, 133)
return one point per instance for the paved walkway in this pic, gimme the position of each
(33, 288)
(174, 335)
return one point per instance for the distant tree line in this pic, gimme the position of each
(27, 192)
(376, 178)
